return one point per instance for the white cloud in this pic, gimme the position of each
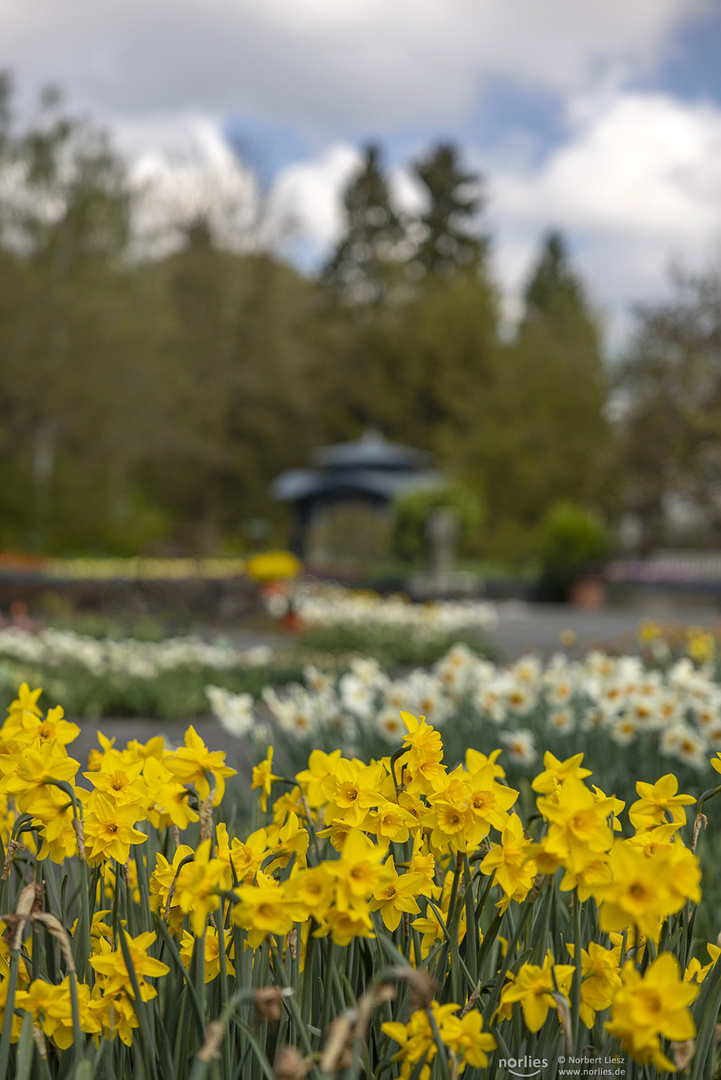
(310, 194)
(647, 164)
(325, 66)
(633, 183)
(182, 169)
(635, 190)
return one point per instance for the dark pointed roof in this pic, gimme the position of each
(371, 451)
(296, 484)
(370, 466)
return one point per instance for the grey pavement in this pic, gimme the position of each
(526, 627)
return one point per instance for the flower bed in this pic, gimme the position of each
(392, 916)
(619, 710)
(130, 677)
(51, 648)
(332, 606)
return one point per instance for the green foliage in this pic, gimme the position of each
(175, 695)
(143, 405)
(391, 646)
(365, 265)
(148, 405)
(432, 367)
(572, 542)
(449, 225)
(546, 437)
(413, 509)
(670, 430)
(552, 284)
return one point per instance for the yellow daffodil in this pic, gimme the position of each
(511, 862)
(25, 702)
(464, 1035)
(196, 886)
(600, 979)
(659, 804)
(424, 863)
(211, 952)
(696, 971)
(193, 763)
(53, 728)
(263, 778)
(352, 790)
(111, 967)
(115, 1014)
(312, 890)
(475, 761)
(347, 924)
(167, 799)
(391, 823)
(162, 880)
(578, 822)
(51, 1009)
(556, 771)
(422, 765)
(110, 830)
(359, 871)
(429, 925)
(34, 768)
(534, 987)
(264, 908)
(396, 896)
(645, 888)
(118, 779)
(247, 856)
(320, 766)
(646, 1008)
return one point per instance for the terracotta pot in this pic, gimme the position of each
(588, 593)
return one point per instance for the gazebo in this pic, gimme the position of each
(368, 471)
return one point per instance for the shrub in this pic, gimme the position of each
(413, 508)
(573, 542)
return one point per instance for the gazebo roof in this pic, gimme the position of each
(296, 485)
(371, 451)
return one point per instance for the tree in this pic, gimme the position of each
(449, 240)
(669, 393)
(547, 438)
(365, 268)
(433, 366)
(552, 284)
(424, 352)
(243, 351)
(72, 336)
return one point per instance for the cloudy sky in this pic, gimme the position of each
(601, 117)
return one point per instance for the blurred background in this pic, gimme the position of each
(234, 232)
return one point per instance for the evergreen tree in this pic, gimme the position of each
(449, 240)
(365, 268)
(548, 438)
(426, 363)
(553, 283)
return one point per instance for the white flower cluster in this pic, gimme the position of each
(141, 659)
(527, 704)
(332, 605)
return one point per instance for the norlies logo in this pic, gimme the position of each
(524, 1066)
